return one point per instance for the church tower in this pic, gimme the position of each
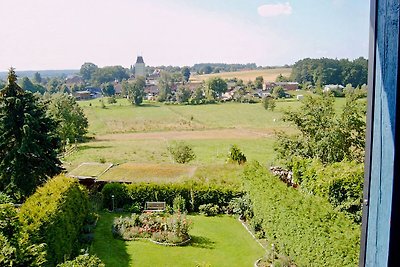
(140, 68)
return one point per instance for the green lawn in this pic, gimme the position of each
(216, 241)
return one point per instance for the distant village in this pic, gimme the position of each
(152, 89)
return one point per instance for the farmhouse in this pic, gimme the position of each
(288, 86)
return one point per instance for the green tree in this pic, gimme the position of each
(136, 90)
(183, 94)
(197, 95)
(281, 78)
(324, 134)
(258, 83)
(87, 70)
(269, 103)
(37, 78)
(186, 73)
(215, 87)
(279, 92)
(72, 122)
(108, 89)
(181, 152)
(235, 155)
(28, 142)
(164, 86)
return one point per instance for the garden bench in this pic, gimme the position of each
(154, 206)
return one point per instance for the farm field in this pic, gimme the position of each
(216, 241)
(249, 75)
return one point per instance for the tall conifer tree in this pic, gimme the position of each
(28, 141)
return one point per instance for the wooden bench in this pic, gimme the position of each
(154, 206)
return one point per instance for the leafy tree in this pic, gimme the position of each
(108, 89)
(186, 73)
(281, 78)
(279, 92)
(109, 74)
(258, 83)
(269, 103)
(181, 152)
(27, 85)
(215, 87)
(197, 95)
(164, 86)
(183, 94)
(206, 69)
(323, 134)
(72, 122)
(87, 70)
(37, 78)
(136, 90)
(28, 141)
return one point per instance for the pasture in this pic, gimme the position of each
(216, 241)
(246, 75)
(135, 139)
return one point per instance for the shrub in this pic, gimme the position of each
(16, 249)
(304, 227)
(118, 191)
(235, 155)
(55, 215)
(241, 206)
(85, 260)
(181, 152)
(4, 198)
(209, 209)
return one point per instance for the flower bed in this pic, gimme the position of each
(162, 228)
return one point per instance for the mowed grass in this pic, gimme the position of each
(246, 75)
(145, 172)
(216, 241)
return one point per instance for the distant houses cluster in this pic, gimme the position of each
(152, 89)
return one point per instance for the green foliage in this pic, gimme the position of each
(55, 215)
(72, 122)
(186, 73)
(331, 71)
(193, 194)
(279, 92)
(165, 83)
(281, 78)
(109, 74)
(258, 83)
(241, 206)
(181, 152)
(178, 204)
(183, 94)
(16, 250)
(4, 198)
(215, 87)
(87, 70)
(209, 209)
(323, 134)
(136, 90)
(28, 142)
(84, 260)
(108, 89)
(340, 183)
(27, 85)
(112, 100)
(269, 103)
(235, 155)
(306, 228)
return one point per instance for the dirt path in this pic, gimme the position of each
(188, 135)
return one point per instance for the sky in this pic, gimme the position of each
(63, 34)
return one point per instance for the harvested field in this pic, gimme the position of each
(246, 75)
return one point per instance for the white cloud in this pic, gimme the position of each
(273, 10)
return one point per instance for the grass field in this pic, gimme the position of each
(124, 134)
(250, 75)
(216, 241)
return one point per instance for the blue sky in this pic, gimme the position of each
(59, 34)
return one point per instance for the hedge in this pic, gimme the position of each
(194, 195)
(54, 215)
(341, 183)
(303, 226)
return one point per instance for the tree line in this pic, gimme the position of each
(325, 71)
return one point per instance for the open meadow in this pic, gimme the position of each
(136, 140)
